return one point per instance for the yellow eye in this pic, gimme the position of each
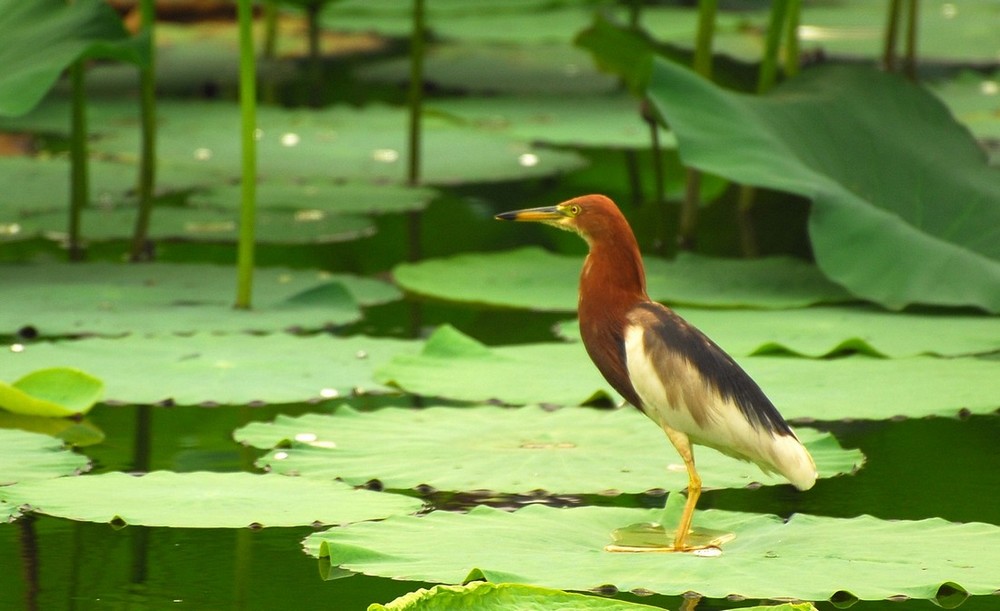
(574, 210)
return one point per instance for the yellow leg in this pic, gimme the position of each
(683, 445)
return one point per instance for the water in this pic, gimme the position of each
(914, 471)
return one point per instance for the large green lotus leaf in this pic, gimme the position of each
(899, 216)
(337, 143)
(65, 32)
(226, 369)
(486, 596)
(596, 121)
(203, 499)
(806, 557)
(825, 331)
(42, 184)
(498, 68)
(509, 450)
(324, 196)
(205, 224)
(112, 299)
(539, 280)
(456, 366)
(28, 456)
(54, 392)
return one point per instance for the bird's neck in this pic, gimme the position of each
(613, 279)
(611, 284)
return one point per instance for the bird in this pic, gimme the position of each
(662, 364)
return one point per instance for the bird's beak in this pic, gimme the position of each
(545, 213)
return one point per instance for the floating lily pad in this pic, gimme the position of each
(974, 99)
(823, 331)
(550, 120)
(111, 299)
(326, 197)
(899, 216)
(53, 392)
(539, 280)
(227, 369)
(42, 184)
(507, 69)
(458, 367)
(337, 143)
(204, 500)
(567, 451)
(485, 596)
(29, 456)
(807, 557)
(205, 225)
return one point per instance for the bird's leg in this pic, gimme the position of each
(683, 445)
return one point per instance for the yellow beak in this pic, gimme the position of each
(545, 213)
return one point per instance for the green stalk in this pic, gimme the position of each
(416, 90)
(416, 108)
(703, 40)
(891, 33)
(910, 67)
(141, 247)
(707, 10)
(79, 173)
(765, 81)
(315, 69)
(248, 108)
(769, 63)
(792, 38)
(270, 28)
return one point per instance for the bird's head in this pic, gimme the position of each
(591, 216)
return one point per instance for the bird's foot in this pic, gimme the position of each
(648, 537)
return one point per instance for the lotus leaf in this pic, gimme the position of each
(519, 450)
(510, 70)
(824, 331)
(54, 392)
(539, 280)
(550, 120)
(458, 367)
(485, 596)
(226, 369)
(204, 500)
(899, 216)
(285, 226)
(327, 197)
(302, 145)
(110, 299)
(806, 557)
(29, 456)
(65, 32)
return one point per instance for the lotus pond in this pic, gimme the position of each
(407, 404)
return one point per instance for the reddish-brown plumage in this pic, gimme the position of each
(659, 363)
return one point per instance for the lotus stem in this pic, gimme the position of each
(141, 246)
(792, 50)
(416, 108)
(769, 63)
(891, 33)
(79, 171)
(248, 192)
(270, 29)
(707, 10)
(910, 67)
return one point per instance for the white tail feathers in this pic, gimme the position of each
(792, 460)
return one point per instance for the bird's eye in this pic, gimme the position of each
(574, 210)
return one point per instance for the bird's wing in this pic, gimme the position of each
(689, 384)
